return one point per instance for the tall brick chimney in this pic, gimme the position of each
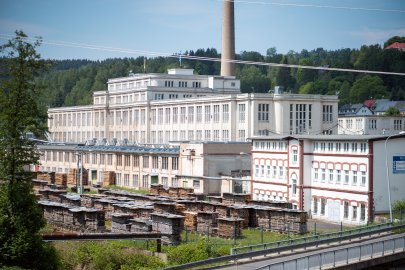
(228, 38)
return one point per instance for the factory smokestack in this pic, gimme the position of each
(228, 38)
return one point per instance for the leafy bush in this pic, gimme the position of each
(399, 205)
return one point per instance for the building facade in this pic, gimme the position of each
(178, 106)
(335, 178)
(191, 165)
(371, 125)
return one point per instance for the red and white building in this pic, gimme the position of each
(333, 177)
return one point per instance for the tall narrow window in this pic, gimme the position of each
(323, 206)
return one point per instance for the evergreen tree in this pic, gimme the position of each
(20, 216)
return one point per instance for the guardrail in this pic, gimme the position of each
(304, 245)
(342, 256)
(308, 239)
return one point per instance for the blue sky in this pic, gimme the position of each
(173, 26)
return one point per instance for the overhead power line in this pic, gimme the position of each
(199, 58)
(317, 6)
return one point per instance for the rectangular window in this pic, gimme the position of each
(196, 184)
(175, 115)
(135, 180)
(316, 176)
(363, 178)
(216, 113)
(199, 114)
(225, 113)
(327, 113)
(338, 147)
(281, 171)
(263, 112)
(242, 116)
(346, 210)
(354, 212)
(127, 160)
(362, 212)
(354, 177)
(165, 163)
(174, 182)
(338, 176)
(330, 176)
(207, 111)
(354, 147)
(346, 177)
(363, 147)
(323, 206)
(145, 181)
(109, 159)
(323, 175)
(165, 182)
(155, 162)
(135, 160)
(119, 160)
(118, 178)
(126, 180)
(191, 114)
(167, 116)
(182, 114)
(315, 209)
(175, 163)
(295, 156)
(145, 162)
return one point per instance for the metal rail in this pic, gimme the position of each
(342, 256)
(308, 239)
(303, 245)
(104, 236)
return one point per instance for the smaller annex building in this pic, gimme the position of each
(203, 166)
(332, 177)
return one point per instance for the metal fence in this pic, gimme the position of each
(342, 256)
(308, 239)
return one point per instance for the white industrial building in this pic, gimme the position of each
(178, 106)
(335, 177)
(202, 166)
(370, 124)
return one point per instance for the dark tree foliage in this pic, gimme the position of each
(72, 82)
(20, 216)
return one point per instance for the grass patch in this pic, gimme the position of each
(139, 191)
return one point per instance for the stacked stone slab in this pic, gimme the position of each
(229, 227)
(108, 178)
(121, 222)
(61, 179)
(47, 176)
(70, 199)
(73, 218)
(240, 212)
(190, 221)
(169, 225)
(38, 184)
(72, 176)
(296, 221)
(140, 225)
(51, 194)
(207, 222)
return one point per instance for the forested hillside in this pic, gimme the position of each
(72, 82)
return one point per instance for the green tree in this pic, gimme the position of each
(368, 87)
(20, 216)
(392, 111)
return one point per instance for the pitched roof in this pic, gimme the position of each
(396, 45)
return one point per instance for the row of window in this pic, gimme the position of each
(270, 171)
(135, 181)
(127, 160)
(270, 145)
(357, 123)
(155, 136)
(340, 147)
(339, 177)
(319, 208)
(300, 118)
(263, 197)
(128, 85)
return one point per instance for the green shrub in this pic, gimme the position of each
(399, 205)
